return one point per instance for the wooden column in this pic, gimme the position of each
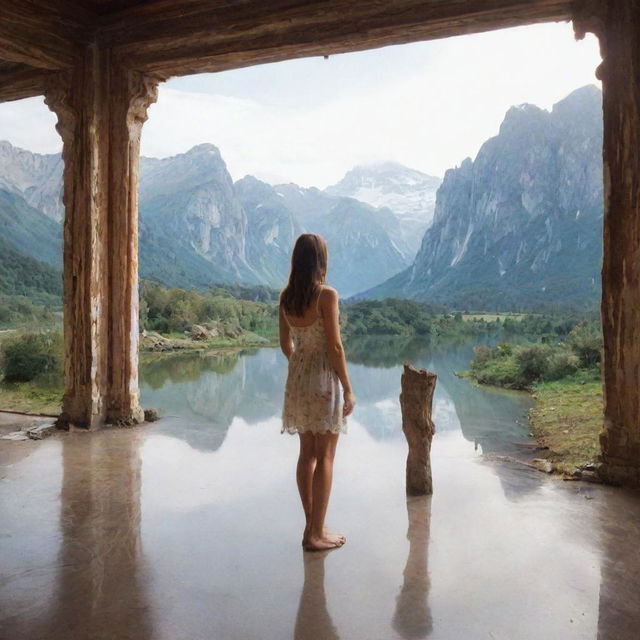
(100, 107)
(617, 24)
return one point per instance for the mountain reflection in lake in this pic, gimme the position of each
(208, 390)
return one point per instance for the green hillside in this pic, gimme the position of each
(28, 230)
(22, 275)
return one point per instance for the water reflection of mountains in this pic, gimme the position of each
(208, 390)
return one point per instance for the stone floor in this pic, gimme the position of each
(138, 533)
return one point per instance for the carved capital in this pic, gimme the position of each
(143, 92)
(590, 17)
(58, 97)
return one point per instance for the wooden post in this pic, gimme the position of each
(100, 107)
(617, 24)
(416, 399)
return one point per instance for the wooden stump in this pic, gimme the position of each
(416, 400)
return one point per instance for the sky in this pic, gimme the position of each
(427, 105)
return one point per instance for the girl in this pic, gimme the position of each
(313, 407)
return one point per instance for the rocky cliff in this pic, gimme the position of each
(521, 224)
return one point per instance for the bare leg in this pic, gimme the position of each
(318, 537)
(304, 476)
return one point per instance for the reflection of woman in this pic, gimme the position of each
(313, 621)
(313, 406)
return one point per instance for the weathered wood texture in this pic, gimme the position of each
(617, 24)
(190, 36)
(416, 400)
(19, 81)
(100, 109)
(180, 38)
(47, 35)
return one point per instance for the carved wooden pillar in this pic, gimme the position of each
(100, 107)
(617, 24)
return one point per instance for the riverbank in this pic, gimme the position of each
(30, 397)
(567, 418)
(563, 375)
(43, 394)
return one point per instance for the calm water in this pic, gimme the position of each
(217, 393)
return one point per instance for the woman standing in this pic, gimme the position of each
(313, 406)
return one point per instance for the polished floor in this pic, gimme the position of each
(137, 534)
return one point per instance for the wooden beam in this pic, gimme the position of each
(196, 36)
(23, 82)
(45, 35)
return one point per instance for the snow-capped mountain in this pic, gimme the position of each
(409, 193)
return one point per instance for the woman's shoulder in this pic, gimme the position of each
(328, 292)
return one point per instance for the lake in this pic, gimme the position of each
(215, 393)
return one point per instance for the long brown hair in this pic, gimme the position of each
(308, 271)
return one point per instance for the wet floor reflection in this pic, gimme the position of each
(619, 598)
(313, 621)
(99, 585)
(190, 527)
(412, 617)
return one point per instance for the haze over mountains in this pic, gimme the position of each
(519, 225)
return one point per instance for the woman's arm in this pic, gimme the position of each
(330, 312)
(286, 343)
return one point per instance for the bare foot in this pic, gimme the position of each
(323, 543)
(329, 535)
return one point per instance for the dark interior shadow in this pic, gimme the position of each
(313, 621)
(412, 618)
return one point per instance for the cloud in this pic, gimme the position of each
(30, 125)
(427, 105)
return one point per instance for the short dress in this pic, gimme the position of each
(312, 396)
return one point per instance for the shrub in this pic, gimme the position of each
(32, 354)
(532, 363)
(562, 364)
(501, 372)
(585, 340)
(482, 354)
(504, 349)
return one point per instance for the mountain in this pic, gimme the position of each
(35, 177)
(272, 229)
(410, 194)
(361, 248)
(198, 228)
(522, 224)
(28, 230)
(22, 275)
(192, 226)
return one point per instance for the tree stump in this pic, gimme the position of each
(416, 399)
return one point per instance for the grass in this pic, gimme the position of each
(30, 397)
(567, 418)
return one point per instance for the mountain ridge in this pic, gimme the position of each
(521, 222)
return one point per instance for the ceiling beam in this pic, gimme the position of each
(191, 36)
(46, 35)
(22, 81)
